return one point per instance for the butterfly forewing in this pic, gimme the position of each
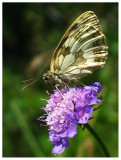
(82, 49)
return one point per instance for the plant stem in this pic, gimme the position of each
(103, 146)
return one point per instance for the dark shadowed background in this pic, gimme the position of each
(31, 32)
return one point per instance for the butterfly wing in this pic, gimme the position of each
(82, 49)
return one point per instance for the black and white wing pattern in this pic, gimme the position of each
(82, 49)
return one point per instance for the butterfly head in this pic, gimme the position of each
(46, 77)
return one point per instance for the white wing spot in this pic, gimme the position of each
(90, 60)
(88, 55)
(61, 57)
(86, 71)
(74, 46)
(72, 41)
(76, 71)
(69, 59)
(67, 43)
(69, 69)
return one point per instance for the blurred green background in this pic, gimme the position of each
(31, 32)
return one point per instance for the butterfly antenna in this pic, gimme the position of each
(29, 83)
(28, 80)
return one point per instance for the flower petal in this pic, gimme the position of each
(72, 130)
(60, 146)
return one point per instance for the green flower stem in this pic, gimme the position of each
(104, 148)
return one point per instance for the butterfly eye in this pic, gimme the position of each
(45, 78)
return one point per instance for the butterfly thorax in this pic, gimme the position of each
(54, 78)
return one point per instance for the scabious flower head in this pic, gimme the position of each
(65, 109)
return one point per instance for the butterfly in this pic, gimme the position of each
(81, 50)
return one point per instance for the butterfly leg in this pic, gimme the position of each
(67, 86)
(56, 86)
(77, 81)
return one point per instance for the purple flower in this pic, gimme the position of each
(65, 109)
(60, 146)
(83, 113)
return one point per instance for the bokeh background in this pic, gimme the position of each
(31, 32)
